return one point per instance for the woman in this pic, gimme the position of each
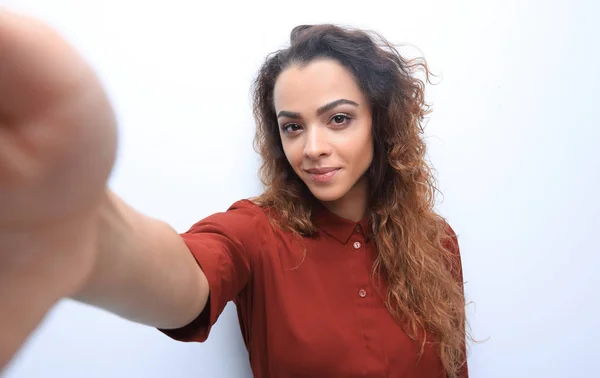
(341, 268)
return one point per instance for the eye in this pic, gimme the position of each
(290, 128)
(340, 119)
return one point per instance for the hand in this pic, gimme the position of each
(57, 149)
(57, 141)
(57, 129)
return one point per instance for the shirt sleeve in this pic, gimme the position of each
(224, 245)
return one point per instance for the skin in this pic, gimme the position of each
(54, 162)
(62, 233)
(325, 123)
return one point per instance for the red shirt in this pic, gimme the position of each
(308, 307)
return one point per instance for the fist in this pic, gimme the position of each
(57, 149)
(57, 129)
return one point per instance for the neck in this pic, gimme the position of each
(353, 205)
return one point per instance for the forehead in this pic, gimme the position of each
(306, 88)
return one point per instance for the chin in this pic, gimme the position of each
(327, 194)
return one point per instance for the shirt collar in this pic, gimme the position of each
(339, 228)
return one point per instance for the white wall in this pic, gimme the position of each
(514, 136)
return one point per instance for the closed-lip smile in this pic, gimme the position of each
(322, 175)
(321, 171)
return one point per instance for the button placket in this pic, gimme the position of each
(365, 299)
(358, 244)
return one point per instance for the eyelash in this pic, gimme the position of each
(347, 117)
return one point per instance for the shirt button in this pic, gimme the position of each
(362, 293)
(357, 229)
(356, 245)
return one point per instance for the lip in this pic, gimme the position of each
(321, 171)
(322, 175)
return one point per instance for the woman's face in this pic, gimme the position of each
(325, 127)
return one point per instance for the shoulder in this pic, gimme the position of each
(242, 211)
(244, 221)
(246, 206)
(450, 239)
(451, 245)
(247, 209)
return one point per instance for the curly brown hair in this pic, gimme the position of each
(417, 252)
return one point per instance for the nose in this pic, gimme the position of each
(316, 144)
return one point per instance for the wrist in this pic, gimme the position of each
(52, 260)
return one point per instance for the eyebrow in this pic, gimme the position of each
(323, 109)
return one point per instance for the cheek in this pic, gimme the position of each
(370, 150)
(290, 150)
(366, 158)
(363, 151)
